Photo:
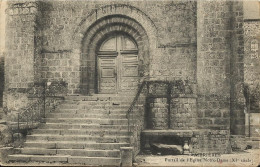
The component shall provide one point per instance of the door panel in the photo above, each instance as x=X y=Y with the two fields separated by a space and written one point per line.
x=130 y=72
x=107 y=75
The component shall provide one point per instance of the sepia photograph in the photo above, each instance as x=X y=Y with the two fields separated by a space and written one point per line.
x=124 y=83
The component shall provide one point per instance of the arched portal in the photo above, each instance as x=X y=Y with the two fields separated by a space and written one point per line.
x=115 y=56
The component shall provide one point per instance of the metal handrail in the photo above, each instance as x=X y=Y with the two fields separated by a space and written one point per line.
x=134 y=131
x=36 y=111
x=136 y=98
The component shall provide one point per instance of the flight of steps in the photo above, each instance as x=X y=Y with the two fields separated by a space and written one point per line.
x=82 y=130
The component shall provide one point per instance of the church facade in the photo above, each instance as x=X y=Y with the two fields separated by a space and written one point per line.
x=195 y=64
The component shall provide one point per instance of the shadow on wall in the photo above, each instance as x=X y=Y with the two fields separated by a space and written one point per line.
x=1 y=80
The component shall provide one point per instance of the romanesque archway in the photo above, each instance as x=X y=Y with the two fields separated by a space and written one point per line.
x=101 y=30
x=98 y=24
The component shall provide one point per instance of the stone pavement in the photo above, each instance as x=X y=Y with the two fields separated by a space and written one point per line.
x=242 y=158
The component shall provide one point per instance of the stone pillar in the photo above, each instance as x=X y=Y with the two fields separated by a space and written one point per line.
x=183 y=113
x=158 y=113
x=126 y=156
x=215 y=20
x=22 y=51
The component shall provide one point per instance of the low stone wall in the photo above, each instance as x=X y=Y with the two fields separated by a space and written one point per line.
x=210 y=141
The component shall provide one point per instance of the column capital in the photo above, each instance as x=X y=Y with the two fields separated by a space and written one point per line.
x=23 y=8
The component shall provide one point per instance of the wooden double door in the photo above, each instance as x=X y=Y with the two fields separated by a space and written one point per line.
x=118 y=65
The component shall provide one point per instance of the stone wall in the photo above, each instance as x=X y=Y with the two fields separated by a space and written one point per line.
x=252 y=59
x=176 y=38
x=48 y=48
x=210 y=141
x=61 y=66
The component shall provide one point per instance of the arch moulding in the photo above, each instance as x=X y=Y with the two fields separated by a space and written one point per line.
x=116 y=9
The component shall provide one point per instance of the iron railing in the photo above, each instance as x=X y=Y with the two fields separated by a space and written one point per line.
x=134 y=104
x=135 y=116
x=43 y=97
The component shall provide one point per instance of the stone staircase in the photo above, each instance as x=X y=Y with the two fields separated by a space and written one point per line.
x=83 y=130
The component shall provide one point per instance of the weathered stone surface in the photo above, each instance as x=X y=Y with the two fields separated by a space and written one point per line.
x=238 y=142
x=85 y=142
x=183 y=113
x=4 y=152
x=211 y=141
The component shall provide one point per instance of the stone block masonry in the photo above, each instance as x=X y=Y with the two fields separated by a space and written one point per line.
x=61 y=66
x=219 y=67
x=158 y=113
x=21 y=50
x=183 y=113
x=210 y=141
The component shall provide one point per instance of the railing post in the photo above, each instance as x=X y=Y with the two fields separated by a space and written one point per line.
x=32 y=116
x=18 y=126
x=27 y=121
x=44 y=98
x=128 y=123
x=249 y=129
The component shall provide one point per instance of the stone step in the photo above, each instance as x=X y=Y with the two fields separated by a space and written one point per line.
x=97 y=139
x=88 y=121
x=82 y=126
x=92 y=104
x=38 y=158
x=75 y=145
x=88 y=107
x=93 y=111
x=65 y=159
x=96 y=132
x=72 y=152
x=85 y=115
x=103 y=97
x=100 y=161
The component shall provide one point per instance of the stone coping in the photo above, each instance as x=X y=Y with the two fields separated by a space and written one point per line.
x=170 y=132
x=180 y=133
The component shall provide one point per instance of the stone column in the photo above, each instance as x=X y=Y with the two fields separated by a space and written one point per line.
x=220 y=64
x=22 y=51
